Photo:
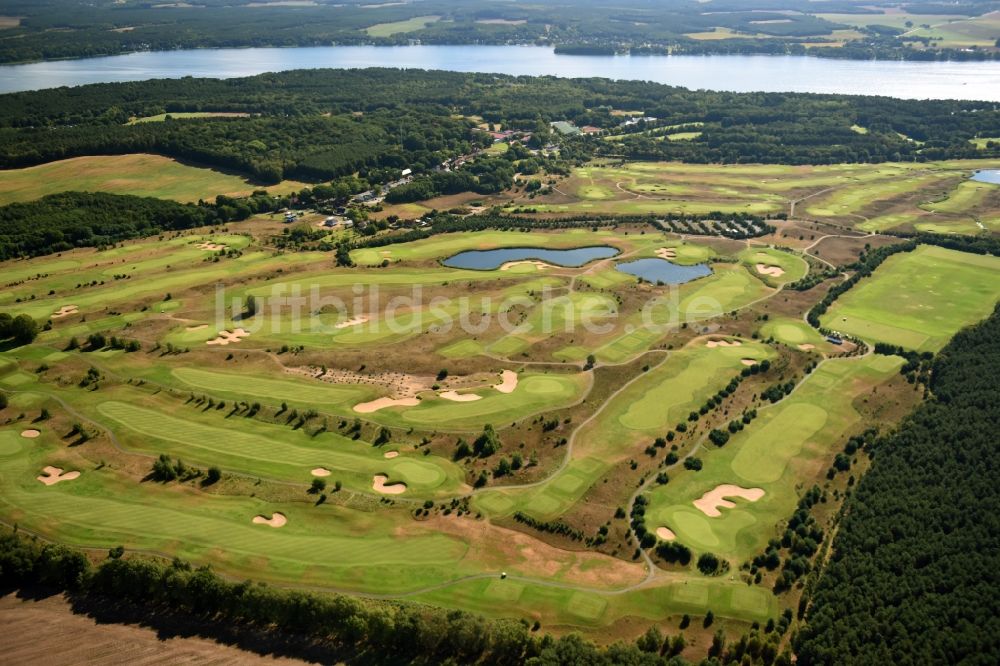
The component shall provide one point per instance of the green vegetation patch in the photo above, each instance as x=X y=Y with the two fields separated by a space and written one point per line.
x=933 y=291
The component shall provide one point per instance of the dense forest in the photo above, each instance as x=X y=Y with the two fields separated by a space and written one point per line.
x=322 y=124
x=913 y=576
x=72 y=28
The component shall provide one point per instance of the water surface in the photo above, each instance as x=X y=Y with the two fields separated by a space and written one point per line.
x=661 y=270
x=987 y=176
x=488 y=260
x=909 y=80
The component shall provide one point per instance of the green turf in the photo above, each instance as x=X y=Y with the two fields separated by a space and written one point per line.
x=786 y=441
x=933 y=291
x=139 y=174
x=643 y=410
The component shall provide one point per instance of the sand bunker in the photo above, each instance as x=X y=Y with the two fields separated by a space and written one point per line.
x=748 y=362
x=382 y=403
x=53 y=475
x=806 y=346
x=710 y=502
x=353 y=321
x=391 y=454
x=666 y=253
x=225 y=337
x=214 y=247
x=455 y=396
x=276 y=520
x=65 y=311
x=378 y=484
x=508 y=382
x=321 y=471
x=711 y=344
x=199 y=327
x=533 y=262
x=665 y=534
x=31 y=433
x=773 y=271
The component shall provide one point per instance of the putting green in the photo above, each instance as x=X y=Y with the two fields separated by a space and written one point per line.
x=793 y=332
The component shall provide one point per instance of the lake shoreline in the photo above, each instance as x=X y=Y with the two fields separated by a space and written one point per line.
x=979 y=80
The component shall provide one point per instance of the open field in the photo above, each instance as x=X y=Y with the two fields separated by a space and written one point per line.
x=933 y=291
x=372 y=388
x=397 y=27
x=137 y=174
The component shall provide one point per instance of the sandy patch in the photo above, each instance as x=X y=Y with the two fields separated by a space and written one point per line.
x=320 y=471
x=31 y=433
x=666 y=253
x=214 y=247
x=711 y=344
x=382 y=403
x=391 y=454
x=534 y=262
x=455 y=396
x=276 y=520
x=806 y=346
x=353 y=321
x=508 y=382
x=53 y=475
x=710 y=502
x=65 y=311
x=225 y=337
x=665 y=534
x=378 y=484
x=191 y=329
x=748 y=362
x=773 y=271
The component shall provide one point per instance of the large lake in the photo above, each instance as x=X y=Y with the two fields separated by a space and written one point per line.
x=910 y=80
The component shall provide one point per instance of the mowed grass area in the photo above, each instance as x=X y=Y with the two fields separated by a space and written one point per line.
x=137 y=174
x=780 y=452
x=793 y=332
x=397 y=27
x=872 y=197
x=642 y=411
x=326 y=545
x=919 y=299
